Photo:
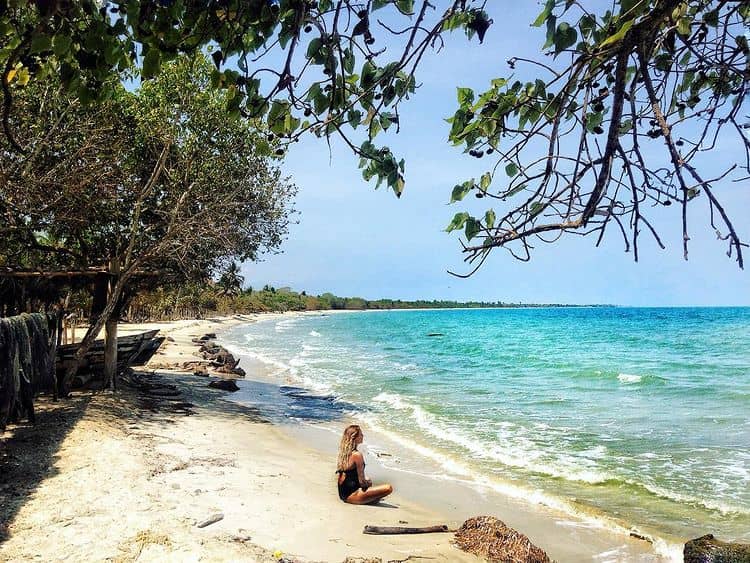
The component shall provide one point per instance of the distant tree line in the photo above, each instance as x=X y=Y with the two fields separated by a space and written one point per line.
x=215 y=298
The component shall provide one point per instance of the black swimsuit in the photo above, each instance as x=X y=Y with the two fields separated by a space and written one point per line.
x=351 y=482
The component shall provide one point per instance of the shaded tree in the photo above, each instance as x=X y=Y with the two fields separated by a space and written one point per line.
x=162 y=180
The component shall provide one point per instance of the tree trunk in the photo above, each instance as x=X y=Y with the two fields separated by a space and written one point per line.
x=93 y=331
x=110 y=332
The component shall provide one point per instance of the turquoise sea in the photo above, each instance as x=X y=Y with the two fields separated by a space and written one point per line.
x=639 y=416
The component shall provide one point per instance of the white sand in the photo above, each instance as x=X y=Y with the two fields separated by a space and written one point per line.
x=127 y=484
x=124 y=483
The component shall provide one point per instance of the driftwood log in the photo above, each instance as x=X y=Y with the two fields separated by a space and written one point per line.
x=210 y=520
x=390 y=530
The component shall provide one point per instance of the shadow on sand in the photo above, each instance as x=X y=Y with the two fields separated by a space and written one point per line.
x=28 y=452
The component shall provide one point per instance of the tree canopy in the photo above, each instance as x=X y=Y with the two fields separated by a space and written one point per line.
x=161 y=182
x=621 y=108
x=615 y=126
x=159 y=179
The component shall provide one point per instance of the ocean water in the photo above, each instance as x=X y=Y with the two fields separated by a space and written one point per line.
x=633 y=416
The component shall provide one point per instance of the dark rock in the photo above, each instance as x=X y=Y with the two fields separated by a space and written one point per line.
x=490 y=538
x=225 y=384
x=707 y=549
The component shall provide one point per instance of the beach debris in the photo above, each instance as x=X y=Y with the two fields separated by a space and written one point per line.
x=707 y=549
x=210 y=520
x=221 y=359
x=242 y=536
x=205 y=338
x=143 y=540
x=390 y=530
x=640 y=536
x=363 y=560
x=224 y=384
x=490 y=538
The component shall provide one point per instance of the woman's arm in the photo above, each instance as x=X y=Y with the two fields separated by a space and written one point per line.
x=359 y=461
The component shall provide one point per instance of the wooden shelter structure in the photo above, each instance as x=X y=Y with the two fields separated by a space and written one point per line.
x=26 y=290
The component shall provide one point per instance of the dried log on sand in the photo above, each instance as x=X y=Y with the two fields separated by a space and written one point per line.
x=390 y=530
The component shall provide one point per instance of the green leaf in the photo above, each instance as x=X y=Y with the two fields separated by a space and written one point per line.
x=619 y=34
x=625 y=127
x=565 y=36
x=536 y=208
x=542 y=17
x=279 y=117
x=386 y=119
x=712 y=17
x=465 y=96
x=313 y=48
x=399 y=186
x=511 y=169
x=405 y=6
x=151 y=64
x=61 y=45
x=460 y=190
x=40 y=43
x=368 y=75
x=348 y=60
x=472 y=228
x=489 y=218
x=485 y=181
x=354 y=118
x=551 y=27
x=459 y=219
x=683 y=26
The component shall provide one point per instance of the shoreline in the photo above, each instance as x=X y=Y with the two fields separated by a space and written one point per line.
x=566 y=534
x=272 y=483
x=128 y=477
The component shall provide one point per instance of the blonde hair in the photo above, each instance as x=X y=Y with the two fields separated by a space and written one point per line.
x=347 y=446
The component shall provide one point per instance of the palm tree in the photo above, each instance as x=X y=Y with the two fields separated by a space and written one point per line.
x=231 y=280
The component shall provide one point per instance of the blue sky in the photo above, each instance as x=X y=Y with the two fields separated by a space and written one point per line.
x=356 y=241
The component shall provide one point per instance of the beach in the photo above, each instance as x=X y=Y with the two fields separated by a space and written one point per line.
x=120 y=477
x=126 y=483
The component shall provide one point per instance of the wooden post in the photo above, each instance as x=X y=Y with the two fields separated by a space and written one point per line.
x=110 y=332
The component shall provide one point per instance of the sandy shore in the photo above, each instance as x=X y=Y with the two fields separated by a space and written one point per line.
x=127 y=477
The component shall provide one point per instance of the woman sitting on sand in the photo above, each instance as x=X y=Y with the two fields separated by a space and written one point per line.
x=354 y=488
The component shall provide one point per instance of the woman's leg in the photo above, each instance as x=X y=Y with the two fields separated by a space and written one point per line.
x=372 y=494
